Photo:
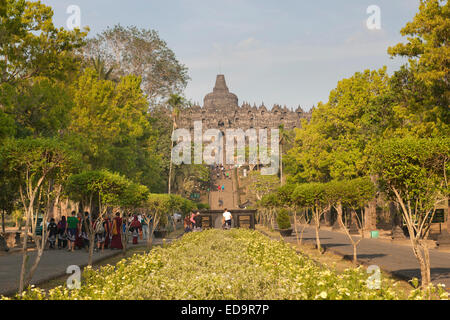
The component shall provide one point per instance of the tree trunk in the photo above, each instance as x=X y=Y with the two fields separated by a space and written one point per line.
x=170 y=164
x=24 y=254
x=3 y=222
x=295 y=225
x=318 y=239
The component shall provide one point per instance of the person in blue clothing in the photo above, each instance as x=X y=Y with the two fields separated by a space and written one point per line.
x=223 y=188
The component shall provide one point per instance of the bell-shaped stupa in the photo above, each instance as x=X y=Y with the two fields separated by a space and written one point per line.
x=221 y=99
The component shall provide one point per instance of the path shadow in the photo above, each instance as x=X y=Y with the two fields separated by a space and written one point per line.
x=332 y=245
x=306 y=239
x=436 y=273
x=370 y=256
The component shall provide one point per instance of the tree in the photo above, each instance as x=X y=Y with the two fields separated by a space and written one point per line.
x=413 y=172
x=129 y=50
x=111 y=129
x=353 y=194
x=40 y=166
x=103 y=189
x=262 y=184
x=312 y=196
x=422 y=88
x=332 y=145
x=31 y=46
x=160 y=205
x=175 y=102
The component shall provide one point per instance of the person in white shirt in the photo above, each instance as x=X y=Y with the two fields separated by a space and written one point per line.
x=227 y=218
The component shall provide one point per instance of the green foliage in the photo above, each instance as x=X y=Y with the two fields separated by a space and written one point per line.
x=262 y=184
x=310 y=195
x=261 y=269
x=331 y=146
x=32 y=46
x=32 y=160
x=413 y=170
x=110 y=128
x=422 y=89
x=143 y=54
x=283 y=220
x=111 y=189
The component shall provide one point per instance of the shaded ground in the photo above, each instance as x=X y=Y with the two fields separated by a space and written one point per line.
x=53 y=264
x=396 y=259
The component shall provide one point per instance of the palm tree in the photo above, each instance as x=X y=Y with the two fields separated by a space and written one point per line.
x=175 y=103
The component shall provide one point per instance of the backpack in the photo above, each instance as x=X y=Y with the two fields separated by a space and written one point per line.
x=99 y=228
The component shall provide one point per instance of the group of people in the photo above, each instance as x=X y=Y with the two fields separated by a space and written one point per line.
x=220 y=170
x=193 y=222
x=74 y=232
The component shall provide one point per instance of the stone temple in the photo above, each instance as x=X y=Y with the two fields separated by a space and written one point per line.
x=221 y=110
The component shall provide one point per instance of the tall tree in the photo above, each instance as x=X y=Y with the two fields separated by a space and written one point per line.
x=30 y=44
x=414 y=173
x=422 y=88
x=141 y=52
x=40 y=167
x=175 y=104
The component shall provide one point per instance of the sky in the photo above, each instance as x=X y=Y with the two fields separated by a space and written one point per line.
x=287 y=52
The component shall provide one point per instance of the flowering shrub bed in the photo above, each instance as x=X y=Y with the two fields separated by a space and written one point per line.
x=215 y=265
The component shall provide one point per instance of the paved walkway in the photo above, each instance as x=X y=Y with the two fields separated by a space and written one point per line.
x=53 y=264
x=393 y=258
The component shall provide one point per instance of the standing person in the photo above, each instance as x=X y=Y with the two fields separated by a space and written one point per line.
x=85 y=226
x=62 y=235
x=108 y=234
x=116 y=231
x=79 y=243
x=135 y=226
x=187 y=224
x=72 y=230
x=192 y=220
x=52 y=229
x=198 y=221
x=223 y=188
x=227 y=218
x=144 y=227
x=100 y=234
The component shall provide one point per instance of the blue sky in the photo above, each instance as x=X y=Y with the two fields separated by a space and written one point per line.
x=289 y=52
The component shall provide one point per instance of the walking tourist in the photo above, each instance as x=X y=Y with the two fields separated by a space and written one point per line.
x=62 y=234
x=135 y=227
x=52 y=230
x=144 y=227
x=192 y=219
x=85 y=230
x=72 y=230
x=187 y=224
x=108 y=234
x=198 y=222
x=227 y=218
x=116 y=231
x=100 y=234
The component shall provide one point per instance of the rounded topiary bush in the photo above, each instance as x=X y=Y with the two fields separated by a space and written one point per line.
x=283 y=220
